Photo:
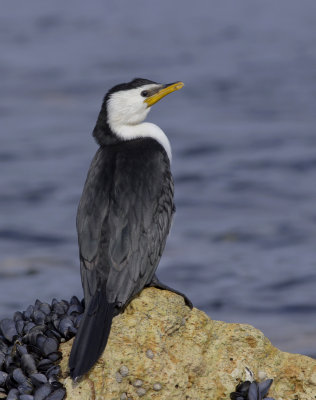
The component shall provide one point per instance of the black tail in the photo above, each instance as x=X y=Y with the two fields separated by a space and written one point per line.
x=92 y=335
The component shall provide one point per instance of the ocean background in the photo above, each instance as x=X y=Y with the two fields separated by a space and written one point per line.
x=242 y=245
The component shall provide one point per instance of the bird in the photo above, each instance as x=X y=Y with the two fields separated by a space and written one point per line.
x=124 y=214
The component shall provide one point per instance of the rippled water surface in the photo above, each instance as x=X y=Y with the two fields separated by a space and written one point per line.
x=243 y=137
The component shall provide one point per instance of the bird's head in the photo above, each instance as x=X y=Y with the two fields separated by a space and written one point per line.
x=128 y=104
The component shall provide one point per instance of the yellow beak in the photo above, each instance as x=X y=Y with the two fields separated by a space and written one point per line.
x=163 y=92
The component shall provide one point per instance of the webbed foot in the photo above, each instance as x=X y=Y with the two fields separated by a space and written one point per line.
x=157 y=284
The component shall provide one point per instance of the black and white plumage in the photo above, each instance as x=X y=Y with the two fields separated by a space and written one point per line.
x=124 y=214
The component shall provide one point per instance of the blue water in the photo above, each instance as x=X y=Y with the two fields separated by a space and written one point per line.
x=242 y=131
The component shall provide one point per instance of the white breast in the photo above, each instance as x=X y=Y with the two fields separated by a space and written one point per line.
x=143 y=130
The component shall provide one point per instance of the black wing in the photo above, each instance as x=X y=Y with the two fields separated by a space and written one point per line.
x=92 y=210
x=123 y=219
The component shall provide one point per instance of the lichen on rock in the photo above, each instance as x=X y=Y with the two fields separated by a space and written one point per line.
x=191 y=357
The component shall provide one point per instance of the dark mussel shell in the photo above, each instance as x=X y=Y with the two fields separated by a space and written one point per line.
x=56 y=384
x=75 y=300
x=75 y=309
x=8 y=329
x=37 y=304
x=60 y=308
x=252 y=390
x=55 y=356
x=38 y=317
x=58 y=394
x=66 y=327
x=28 y=326
x=29 y=349
x=25 y=387
x=52 y=333
x=53 y=371
x=26 y=397
x=243 y=387
x=49 y=346
x=9 y=364
x=13 y=394
x=19 y=325
x=45 y=308
x=3 y=378
x=17 y=316
x=19 y=376
x=28 y=312
x=21 y=349
x=253 y=393
x=44 y=365
x=2 y=358
x=3 y=346
x=38 y=379
x=264 y=386
x=43 y=391
x=28 y=364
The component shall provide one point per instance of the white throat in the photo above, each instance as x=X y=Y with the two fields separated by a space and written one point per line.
x=143 y=130
x=126 y=113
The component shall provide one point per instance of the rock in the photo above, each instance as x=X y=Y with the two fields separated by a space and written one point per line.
x=196 y=358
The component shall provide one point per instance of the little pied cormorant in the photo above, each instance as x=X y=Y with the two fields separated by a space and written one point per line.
x=124 y=214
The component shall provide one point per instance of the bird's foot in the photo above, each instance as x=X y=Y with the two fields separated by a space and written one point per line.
x=157 y=284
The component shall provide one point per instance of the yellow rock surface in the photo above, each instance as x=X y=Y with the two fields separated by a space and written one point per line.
x=160 y=349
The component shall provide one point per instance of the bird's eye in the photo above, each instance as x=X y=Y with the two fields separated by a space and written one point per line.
x=144 y=93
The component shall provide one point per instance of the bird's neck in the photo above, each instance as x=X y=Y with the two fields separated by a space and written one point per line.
x=143 y=130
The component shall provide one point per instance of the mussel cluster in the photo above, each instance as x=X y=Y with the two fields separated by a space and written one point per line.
x=252 y=390
x=29 y=353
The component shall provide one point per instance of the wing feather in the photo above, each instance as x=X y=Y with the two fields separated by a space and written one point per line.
x=124 y=218
x=93 y=206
